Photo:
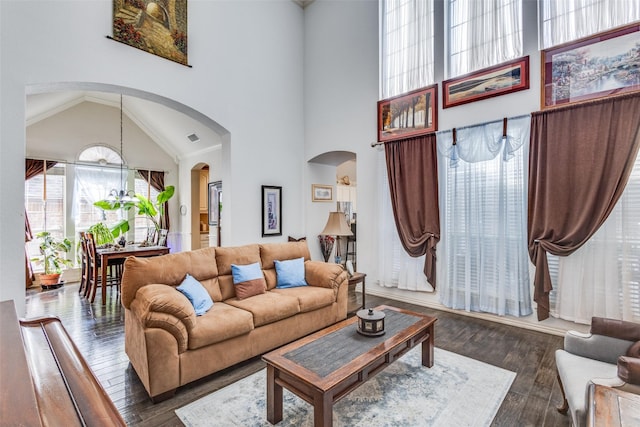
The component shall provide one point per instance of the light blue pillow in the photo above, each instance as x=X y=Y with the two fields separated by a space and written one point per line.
x=197 y=294
x=290 y=273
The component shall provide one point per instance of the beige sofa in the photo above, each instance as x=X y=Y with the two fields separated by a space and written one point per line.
x=169 y=346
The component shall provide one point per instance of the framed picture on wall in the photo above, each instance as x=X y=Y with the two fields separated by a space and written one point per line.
x=498 y=80
x=321 y=193
x=593 y=67
x=271 y=210
x=411 y=114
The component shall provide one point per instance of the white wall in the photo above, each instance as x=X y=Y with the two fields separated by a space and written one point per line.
x=247 y=76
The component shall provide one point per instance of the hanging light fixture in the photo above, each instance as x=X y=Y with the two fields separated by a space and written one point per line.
x=122 y=196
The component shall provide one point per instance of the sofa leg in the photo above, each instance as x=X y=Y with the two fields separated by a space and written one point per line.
x=565 y=405
x=163 y=396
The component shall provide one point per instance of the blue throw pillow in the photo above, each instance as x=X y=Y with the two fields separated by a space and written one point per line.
x=290 y=273
x=197 y=294
x=248 y=280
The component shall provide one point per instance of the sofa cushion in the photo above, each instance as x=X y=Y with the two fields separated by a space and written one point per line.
x=290 y=273
x=239 y=255
x=309 y=297
x=197 y=295
x=268 y=307
x=248 y=280
x=220 y=323
x=269 y=252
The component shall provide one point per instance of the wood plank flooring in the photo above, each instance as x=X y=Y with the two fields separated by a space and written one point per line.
x=98 y=331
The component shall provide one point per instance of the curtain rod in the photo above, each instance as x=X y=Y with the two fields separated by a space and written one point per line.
x=94 y=165
x=374 y=144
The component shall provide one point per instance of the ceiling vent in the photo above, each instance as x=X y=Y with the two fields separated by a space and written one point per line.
x=193 y=138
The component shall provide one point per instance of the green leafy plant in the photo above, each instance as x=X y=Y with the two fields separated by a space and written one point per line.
x=104 y=235
x=145 y=206
x=51 y=253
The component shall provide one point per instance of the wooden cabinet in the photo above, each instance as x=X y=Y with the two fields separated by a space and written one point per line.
x=204 y=190
x=204 y=240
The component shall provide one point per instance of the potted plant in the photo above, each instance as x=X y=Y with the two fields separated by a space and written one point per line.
x=53 y=254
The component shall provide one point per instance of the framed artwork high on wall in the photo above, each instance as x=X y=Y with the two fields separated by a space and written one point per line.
x=411 y=114
x=271 y=211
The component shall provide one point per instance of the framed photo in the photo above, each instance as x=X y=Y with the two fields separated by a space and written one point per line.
x=592 y=67
x=498 y=80
x=215 y=192
x=271 y=211
x=411 y=114
x=321 y=193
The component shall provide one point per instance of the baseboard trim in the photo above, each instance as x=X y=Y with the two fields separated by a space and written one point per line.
x=552 y=330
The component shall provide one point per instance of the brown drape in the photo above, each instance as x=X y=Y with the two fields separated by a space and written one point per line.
x=580 y=159
x=413 y=183
x=33 y=167
x=156 y=179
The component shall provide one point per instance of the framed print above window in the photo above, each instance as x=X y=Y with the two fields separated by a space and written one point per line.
x=593 y=67
x=271 y=211
x=410 y=114
x=321 y=193
x=498 y=80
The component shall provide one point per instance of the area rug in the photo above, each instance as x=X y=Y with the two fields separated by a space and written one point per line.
x=456 y=391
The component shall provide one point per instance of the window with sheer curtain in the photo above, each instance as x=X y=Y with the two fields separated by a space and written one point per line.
x=406 y=64
x=564 y=21
x=483 y=264
x=602 y=278
x=142 y=222
x=482 y=34
x=406 y=43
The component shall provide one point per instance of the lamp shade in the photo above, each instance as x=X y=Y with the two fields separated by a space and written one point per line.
x=336 y=225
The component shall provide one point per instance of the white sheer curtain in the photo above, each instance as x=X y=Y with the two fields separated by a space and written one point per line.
x=567 y=20
x=396 y=269
x=406 y=40
x=483 y=264
x=602 y=278
x=93 y=184
x=483 y=33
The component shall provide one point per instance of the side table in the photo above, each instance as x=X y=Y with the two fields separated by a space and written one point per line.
x=353 y=281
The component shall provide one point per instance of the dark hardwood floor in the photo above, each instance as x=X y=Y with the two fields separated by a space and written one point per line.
x=98 y=331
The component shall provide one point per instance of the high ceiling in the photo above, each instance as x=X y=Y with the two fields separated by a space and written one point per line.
x=169 y=128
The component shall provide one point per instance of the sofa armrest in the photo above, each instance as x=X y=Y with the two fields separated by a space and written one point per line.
x=162 y=306
x=593 y=346
x=629 y=369
x=324 y=275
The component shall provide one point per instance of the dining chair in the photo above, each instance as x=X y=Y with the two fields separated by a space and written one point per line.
x=151 y=235
x=162 y=237
x=84 y=262
x=114 y=271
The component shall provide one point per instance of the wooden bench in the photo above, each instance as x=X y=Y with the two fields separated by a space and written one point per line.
x=44 y=379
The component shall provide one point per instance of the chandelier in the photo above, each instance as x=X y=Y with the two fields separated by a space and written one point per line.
x=122 y=196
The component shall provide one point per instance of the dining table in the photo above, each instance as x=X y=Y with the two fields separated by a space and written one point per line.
x=116 y=252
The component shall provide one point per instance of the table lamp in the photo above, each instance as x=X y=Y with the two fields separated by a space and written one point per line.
x=337 y=226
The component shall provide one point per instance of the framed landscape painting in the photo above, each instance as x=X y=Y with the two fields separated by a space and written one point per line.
x=411 y=114
x=498 y=80
x=593 y=67
x=271 y=211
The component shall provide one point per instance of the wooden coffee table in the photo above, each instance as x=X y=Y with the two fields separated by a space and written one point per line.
x=323 y=367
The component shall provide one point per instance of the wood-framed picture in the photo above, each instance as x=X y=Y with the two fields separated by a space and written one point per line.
x=410 y=114
x=498 y=80
x=321 y=193
x=271 y=211
x=593 y=67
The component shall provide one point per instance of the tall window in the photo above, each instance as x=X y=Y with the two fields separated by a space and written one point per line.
x=406 y=40
x=483 y=33
x=602 y=278
x=564 y=21
x=46 y=211
x=142 y=223
x=483 y=260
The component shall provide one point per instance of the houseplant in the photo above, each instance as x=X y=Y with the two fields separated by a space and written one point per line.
x=52 y=254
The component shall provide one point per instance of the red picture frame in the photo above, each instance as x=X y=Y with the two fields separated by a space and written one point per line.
x=593 y=67
x=407 y=115
x=501 y=79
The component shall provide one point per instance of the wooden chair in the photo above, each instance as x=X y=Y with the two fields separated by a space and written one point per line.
x=162 y=237
x=84 y=257
x=114 y=272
